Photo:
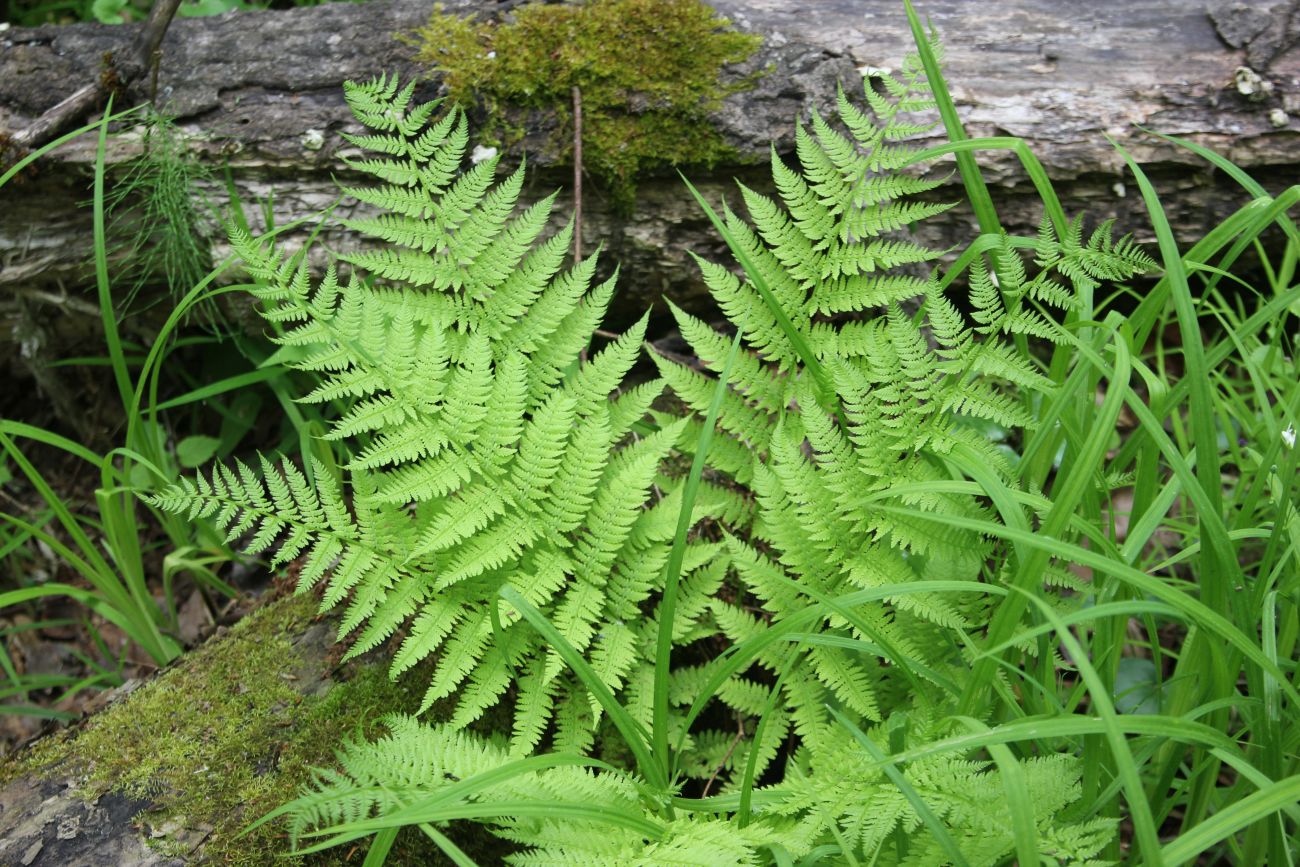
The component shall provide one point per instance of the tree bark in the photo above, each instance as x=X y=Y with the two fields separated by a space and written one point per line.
x=260 y=93
x=120 y=71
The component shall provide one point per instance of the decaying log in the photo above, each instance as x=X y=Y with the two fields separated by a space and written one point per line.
x=260 y=93
x=123 y=68
x=173 y=769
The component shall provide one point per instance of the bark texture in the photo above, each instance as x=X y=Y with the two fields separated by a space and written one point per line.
x=260 y=93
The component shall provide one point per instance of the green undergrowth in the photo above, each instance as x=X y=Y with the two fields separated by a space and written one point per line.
x=648 y=71
x=235 y=715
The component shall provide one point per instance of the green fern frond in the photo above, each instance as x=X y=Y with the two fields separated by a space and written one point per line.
x=416 y=764
x=485 y=447
x=912 y=370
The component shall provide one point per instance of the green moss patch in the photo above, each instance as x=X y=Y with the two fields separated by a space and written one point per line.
x=231 y=733
x=648 y=72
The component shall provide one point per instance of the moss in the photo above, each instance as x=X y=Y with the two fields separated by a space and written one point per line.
x=234 y=716
x=648 y=72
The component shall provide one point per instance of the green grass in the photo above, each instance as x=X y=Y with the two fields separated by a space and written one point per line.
x=109 y=550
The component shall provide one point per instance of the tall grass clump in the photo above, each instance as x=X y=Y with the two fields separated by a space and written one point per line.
x=107 y=548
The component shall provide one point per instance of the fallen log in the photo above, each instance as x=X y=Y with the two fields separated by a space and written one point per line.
x=260 y=93
x=173 y=769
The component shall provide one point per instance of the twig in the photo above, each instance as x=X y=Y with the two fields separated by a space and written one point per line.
x=155 y=63
x=577 y=174
x=740 y=735
x=17 y=503
x=121 y=70
x=577 y=190
x=64 y=300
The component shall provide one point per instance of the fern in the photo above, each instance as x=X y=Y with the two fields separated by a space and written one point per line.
x=601 y=818
x=485 y=451
x=825 y=249
x=905 y=379
x=484 y=448
x=840 y=784
x=568 y=814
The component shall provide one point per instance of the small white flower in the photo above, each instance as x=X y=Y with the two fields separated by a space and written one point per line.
x=481 y=153
x=1288 y=436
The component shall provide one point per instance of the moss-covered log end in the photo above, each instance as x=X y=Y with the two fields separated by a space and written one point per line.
x=649 y=73
x=185 y=762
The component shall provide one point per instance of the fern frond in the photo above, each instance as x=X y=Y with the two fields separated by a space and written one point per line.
x=485 y=447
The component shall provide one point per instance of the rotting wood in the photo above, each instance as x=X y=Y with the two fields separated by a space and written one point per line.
x=121 y=69
x=260 y=93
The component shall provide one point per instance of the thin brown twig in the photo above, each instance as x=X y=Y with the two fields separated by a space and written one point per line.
x=17 y=503
x=155 y=63
x=577 y=174
x=740 y=735
x=123 y=68
x=577 y=189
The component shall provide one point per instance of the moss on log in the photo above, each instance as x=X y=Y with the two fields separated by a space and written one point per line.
x=176 y=768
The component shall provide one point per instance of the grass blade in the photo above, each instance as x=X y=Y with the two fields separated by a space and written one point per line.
x=797 y=339
x=1230 y=819
x=634 y=735
x=927 y=816
x=673 y=569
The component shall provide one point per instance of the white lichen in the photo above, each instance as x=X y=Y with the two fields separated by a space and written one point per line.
x=1251 y=85
x=313 y=139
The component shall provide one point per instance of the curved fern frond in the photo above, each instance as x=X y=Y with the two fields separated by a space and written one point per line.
x=913 y=367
